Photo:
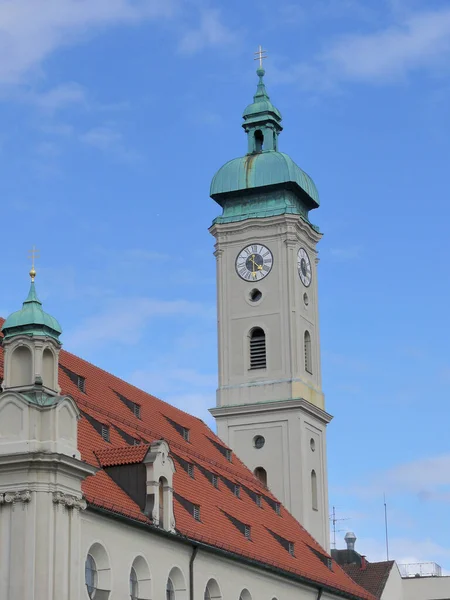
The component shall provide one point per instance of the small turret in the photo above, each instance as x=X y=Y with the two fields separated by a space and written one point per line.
x=31 y=348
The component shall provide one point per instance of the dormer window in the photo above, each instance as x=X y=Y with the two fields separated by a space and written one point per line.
x=183 y=431
x=77 y=379
x=135 y=408
x=81 y=384
x=105 y=433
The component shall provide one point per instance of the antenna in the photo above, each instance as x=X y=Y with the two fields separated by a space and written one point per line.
x=335 y=520
x=386 y=527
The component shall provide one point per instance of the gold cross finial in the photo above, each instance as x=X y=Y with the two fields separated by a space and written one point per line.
x=33 y=254
x=260 y=55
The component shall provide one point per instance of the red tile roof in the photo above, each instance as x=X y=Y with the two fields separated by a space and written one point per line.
x=372 y=577
x=101 y=401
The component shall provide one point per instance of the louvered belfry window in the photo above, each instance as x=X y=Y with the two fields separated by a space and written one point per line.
x=258 y=357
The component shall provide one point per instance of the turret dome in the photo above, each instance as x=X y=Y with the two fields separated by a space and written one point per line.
x=31 y=319
x=264 y=182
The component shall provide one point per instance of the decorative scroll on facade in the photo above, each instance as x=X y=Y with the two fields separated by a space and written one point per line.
x=11 y=497
x=69 y=501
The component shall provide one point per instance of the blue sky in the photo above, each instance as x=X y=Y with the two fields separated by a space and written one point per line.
x=115 y=114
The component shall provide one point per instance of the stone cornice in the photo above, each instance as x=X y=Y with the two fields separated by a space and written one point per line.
x=294 y=222
x=280 y=405
x=15 y=496
x=43 y=461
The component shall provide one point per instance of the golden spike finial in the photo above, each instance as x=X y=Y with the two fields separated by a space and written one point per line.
x=34 y=253
x=260 y=55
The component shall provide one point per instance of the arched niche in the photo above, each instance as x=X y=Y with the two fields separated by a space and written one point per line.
x=143 y=578
x=48 y=368
x=177 y=584
x=212 y=591
x=21 y=370
x=98 y=558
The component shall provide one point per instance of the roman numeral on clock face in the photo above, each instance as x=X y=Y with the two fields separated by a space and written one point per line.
x=254 y=262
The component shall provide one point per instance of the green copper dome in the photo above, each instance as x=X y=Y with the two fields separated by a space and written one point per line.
x=31 y=319
x=264 y=182
x=261 y=170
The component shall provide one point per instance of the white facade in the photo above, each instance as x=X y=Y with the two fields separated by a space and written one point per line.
x=163 y=557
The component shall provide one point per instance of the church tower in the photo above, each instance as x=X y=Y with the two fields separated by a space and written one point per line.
x=270 y=406
x=40 y=466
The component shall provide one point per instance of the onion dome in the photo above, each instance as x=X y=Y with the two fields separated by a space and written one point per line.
x=265 y=181
x=31 y=319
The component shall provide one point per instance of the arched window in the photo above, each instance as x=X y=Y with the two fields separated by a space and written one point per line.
x=170 y=591
x=261 y=474
x=245 y=595
x=314 y=500
x=212 y=591
x=97 y=572
x=176 y=585
x=48 y=368
x=308 y=358
x=134 y=585
x=21 y=367
x=140 y=580
x=90 y=575
x=259 y=140
x=258 y=358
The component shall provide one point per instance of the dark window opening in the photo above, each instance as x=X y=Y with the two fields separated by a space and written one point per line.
x=258 y=358
x=259 y=140
x=190 y=507
x=222 y=449
x=99 y=427
x=287 y=545
x=327 y=560
x=185 y=464
x=183 y=431
x=308 y=357
x=129 y=439
x=255 y=295
x=242 y=527
x=78 y=380
x=105 y=433
x=261 y=474
x=314 y=495
x=135 y=408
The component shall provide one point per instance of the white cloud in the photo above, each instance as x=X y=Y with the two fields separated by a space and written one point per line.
x=30 y=33
x=124 y=321
x=108 y=139
x=211 y=32
x=61 y=96
x=103 y=138
x=421 y=40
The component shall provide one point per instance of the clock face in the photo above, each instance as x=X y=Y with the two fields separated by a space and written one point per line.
x=254 y=262
x=304 y=267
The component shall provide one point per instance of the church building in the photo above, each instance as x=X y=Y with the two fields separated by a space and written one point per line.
x=107 y=492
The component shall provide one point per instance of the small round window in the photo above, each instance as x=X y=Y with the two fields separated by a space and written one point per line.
x=312 y=444
x=258 y=442
x=305 y=299
x=255 y=295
